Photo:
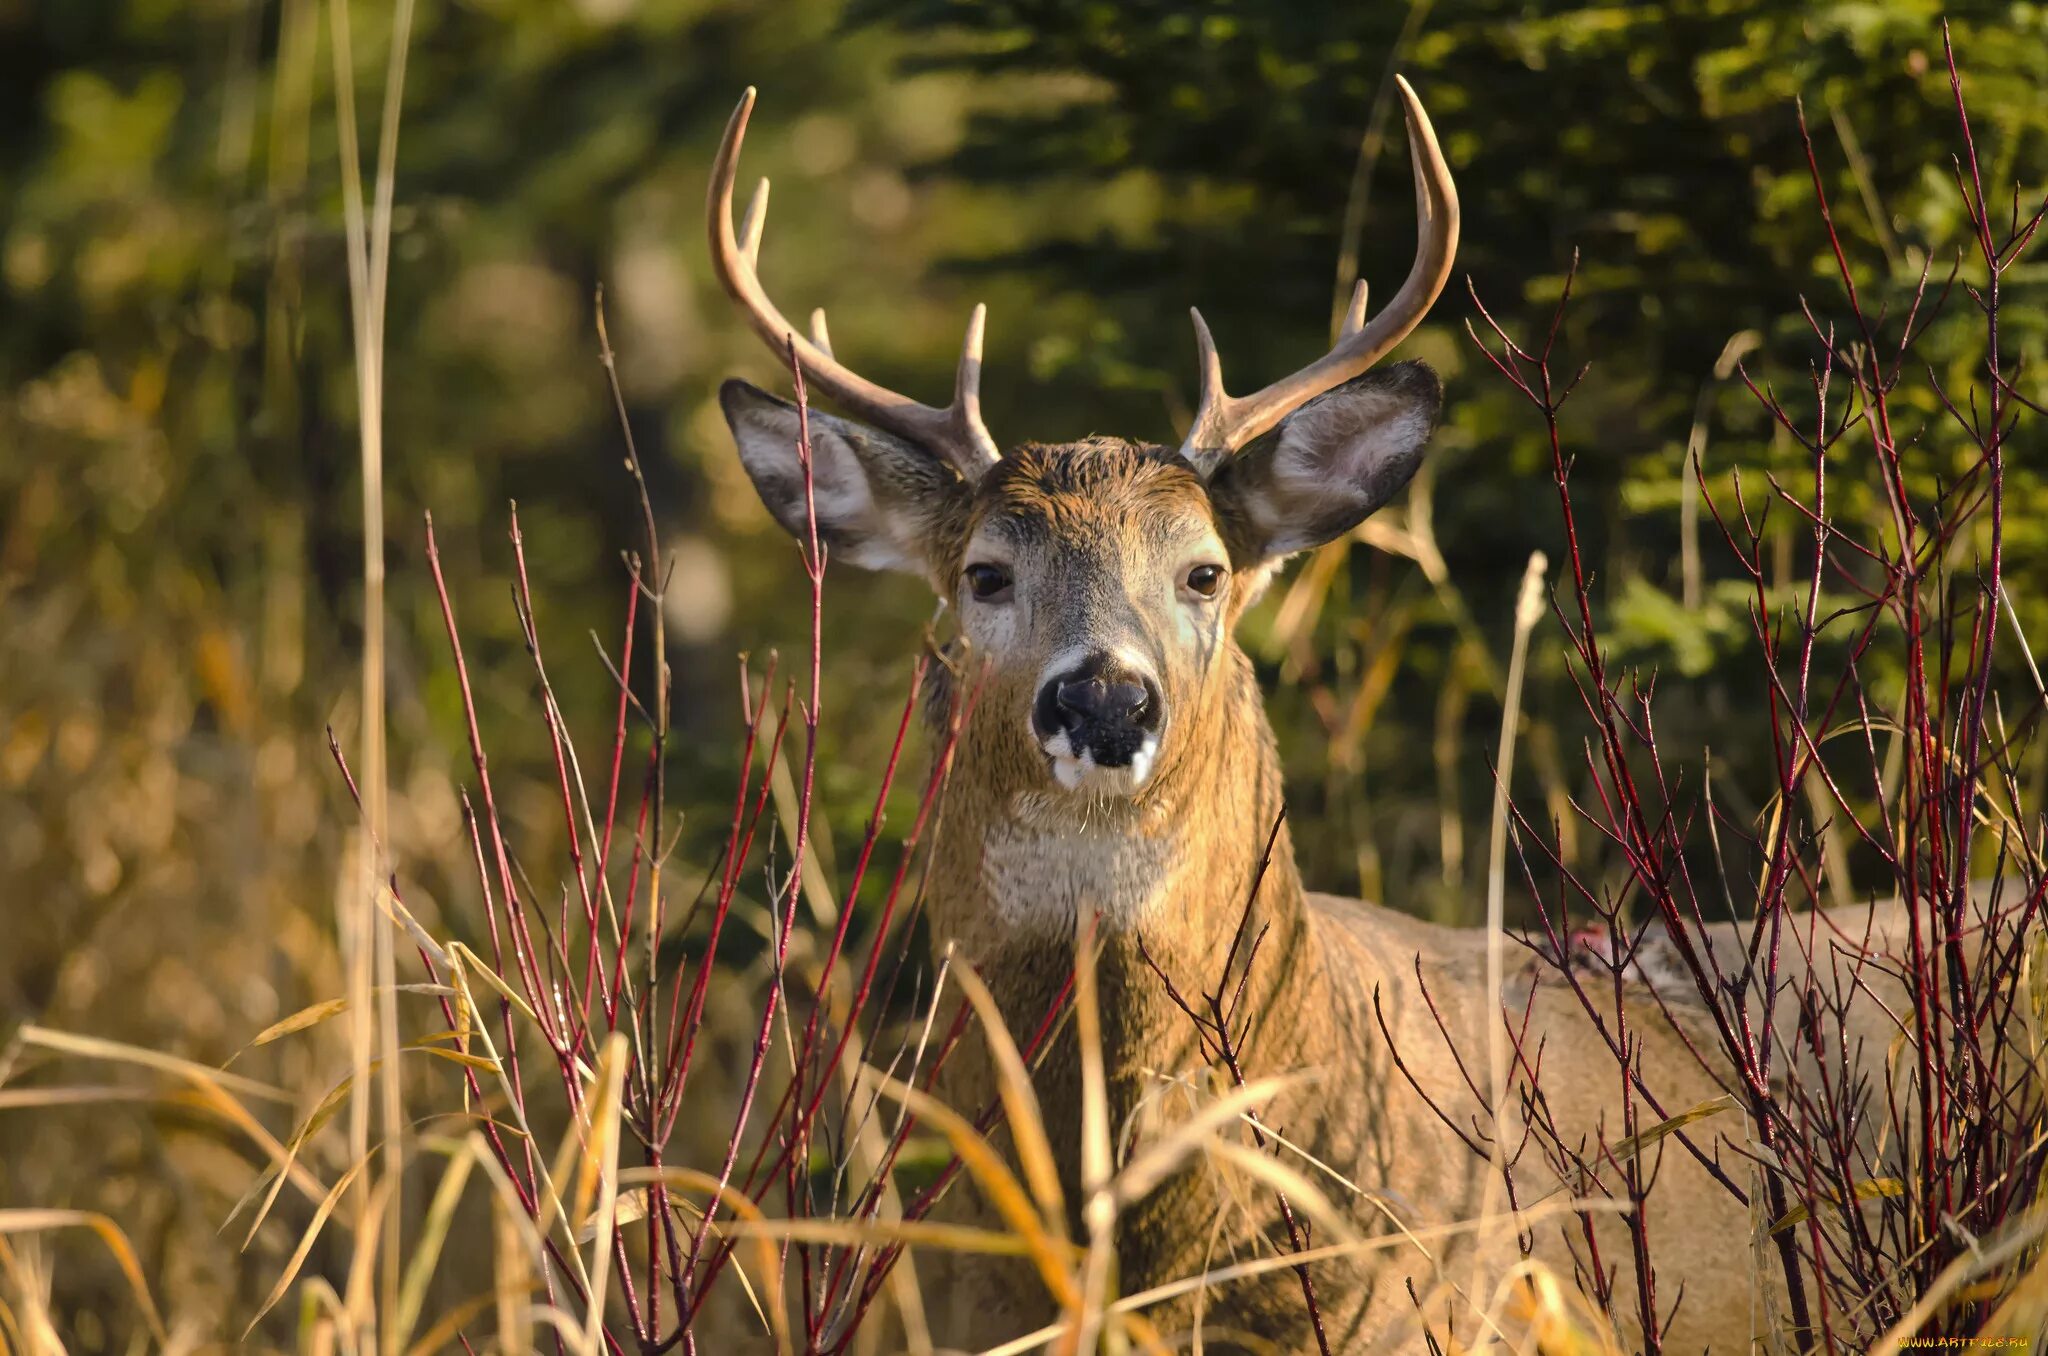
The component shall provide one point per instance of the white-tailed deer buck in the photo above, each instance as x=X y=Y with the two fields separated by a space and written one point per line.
x=1118 y=760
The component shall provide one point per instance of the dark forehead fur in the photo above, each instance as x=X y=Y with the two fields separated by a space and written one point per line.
x=1086 y=485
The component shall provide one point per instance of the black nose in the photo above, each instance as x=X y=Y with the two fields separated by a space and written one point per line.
x=1103 y=698
x=1103 y=706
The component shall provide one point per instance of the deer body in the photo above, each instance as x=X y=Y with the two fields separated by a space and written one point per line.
x=1117 y=763
x=1172 y=870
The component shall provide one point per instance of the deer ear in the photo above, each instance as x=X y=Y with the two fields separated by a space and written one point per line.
x=878 y=499
x=1329 y=465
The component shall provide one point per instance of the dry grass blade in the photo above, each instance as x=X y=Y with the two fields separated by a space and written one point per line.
x=306 y=1241
x=30 y=1331
x=372 y=963
x=563 y=1324
x=1625 y=1149
x=817 y=882
x=363 y=1273
x=598 y=1174
x=41 y=1221
x=474 y=964
x=28 y=1099
x=321 y=1316
x=214 y=1088
x=322 y=1112
x=1551 y=1316
x=1099 y=1210
x=1143 y=1174
x=93 y=1047
x=1869 y=1189
x=2025 y=1307
x=1003 y=1190
x=1020 y=1101
x=908 y=1233
x=689 y=1179
x=311 y=1015
x=336 y=1098
x=1260 y=1266
x=232 y=1111
x=518 y=1250
x=1302 y=1194
x=426 y=1250
x=632 y=1204
x=1633 y=1145
x=630 y=1209
x=448 y=1328
x=2021 y=1237
x=1528 y=610
x=25 y=1326
x=548 y=1198
x=869 y=1147
x=512 y=1278
x=315 y=1013
x=393 y=908
x=425 y=1046
x=568 y=1153
x=600 y=1143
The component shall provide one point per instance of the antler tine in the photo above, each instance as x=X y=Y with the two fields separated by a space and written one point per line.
x=1354 y=314
x=1225 y=423
x=967 y=385
x=821 y=336
x=954 y=433
x=753 y=222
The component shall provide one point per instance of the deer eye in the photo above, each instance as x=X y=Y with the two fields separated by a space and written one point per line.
x=988 y=583
x=1206 y=579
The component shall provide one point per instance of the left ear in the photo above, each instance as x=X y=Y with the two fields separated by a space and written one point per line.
x=879 y=500
x=1329 y=465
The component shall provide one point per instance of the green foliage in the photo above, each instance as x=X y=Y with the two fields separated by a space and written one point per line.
x=1661 y=142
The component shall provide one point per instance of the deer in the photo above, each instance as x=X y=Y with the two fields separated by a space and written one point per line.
x=1117 y=765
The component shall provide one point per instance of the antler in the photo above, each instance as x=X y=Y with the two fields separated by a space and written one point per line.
x=1225 y=423
x=955 y=432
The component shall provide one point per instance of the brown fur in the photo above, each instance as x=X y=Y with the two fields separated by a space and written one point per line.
x=1097 y=533
x=1210 y=809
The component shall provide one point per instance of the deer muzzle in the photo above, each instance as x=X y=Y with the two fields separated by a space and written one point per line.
x=1098 y=721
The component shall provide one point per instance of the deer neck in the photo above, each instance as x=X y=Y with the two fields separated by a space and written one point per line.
x=1191 y=880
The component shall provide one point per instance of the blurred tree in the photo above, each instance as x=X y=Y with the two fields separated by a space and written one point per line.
x=1661 y=141
x=179 y=558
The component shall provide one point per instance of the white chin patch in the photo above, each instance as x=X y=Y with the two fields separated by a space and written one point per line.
x=1080 y=771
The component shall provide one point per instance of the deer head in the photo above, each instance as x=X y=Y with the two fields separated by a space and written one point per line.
x=1098 y=580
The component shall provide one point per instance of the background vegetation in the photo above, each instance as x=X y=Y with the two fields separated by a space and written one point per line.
x=180 y=593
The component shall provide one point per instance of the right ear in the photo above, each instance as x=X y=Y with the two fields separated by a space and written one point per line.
x=1329 y=465
x=879 y=500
